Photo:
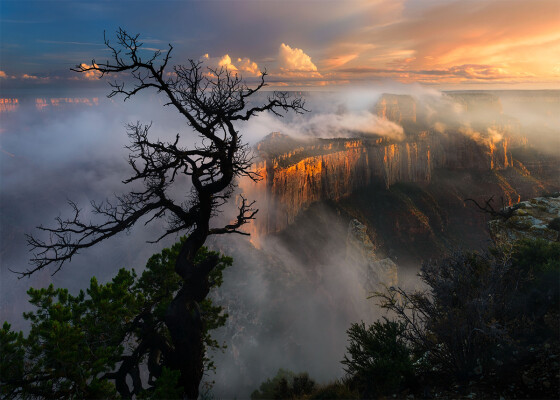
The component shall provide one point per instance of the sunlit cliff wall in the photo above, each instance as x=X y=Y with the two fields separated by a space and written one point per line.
x=293 y=180
x=462 y=131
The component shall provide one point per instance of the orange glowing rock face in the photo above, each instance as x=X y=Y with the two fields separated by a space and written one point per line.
x=511 y=195
x=507 y=163
x=291 y=183
x=333 y=169
x=353 y=144
x=491 y=148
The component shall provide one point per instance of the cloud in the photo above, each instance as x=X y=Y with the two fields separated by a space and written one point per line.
x=33 y=78
x=337 y=114
x=243 y=65
x=339 y=61
x=294 y=62
x=225 y=62
x=351 y=124
x=70 y=42
x=497 y=34
x=4 y=75
x=453 y=42
x=475 y=71
x=74 y=151
x=491 y=136
x=519 y=37
x=90 y=75
x=456 y=73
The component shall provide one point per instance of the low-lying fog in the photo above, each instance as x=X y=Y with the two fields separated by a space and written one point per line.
x=298 y=311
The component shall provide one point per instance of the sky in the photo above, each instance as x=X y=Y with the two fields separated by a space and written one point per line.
x=311 y=44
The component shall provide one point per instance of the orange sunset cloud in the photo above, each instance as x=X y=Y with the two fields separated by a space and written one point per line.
x=453 y=42
x=243 y=65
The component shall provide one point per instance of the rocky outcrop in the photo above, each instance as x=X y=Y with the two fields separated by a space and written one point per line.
x=538 y=218
x=375 y=272
x=462 y=131
x=306 y=171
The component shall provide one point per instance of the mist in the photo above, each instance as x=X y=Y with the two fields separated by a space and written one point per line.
x=290 y=301
x=286 y=309
x=301 y=306
x=340 y=124
x=528 y=116
x=70 y=152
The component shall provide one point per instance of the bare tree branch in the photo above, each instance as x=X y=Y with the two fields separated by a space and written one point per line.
x=212 y=101
x=246 y=213
x=505 y=212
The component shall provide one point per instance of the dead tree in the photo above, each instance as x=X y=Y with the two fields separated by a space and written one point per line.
x=212 y=101
x=505 y=212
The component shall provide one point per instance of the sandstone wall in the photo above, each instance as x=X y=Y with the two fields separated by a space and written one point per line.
x=292 y=181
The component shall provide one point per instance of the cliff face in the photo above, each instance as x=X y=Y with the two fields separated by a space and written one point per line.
x=461 y=132
x=332 y=169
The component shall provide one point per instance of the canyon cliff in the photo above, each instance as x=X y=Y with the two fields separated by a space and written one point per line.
x=340 y=217
x=397 y=108
x=330 y=169
x=427 y=174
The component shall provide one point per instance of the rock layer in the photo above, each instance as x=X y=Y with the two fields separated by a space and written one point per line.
x=329 y=169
